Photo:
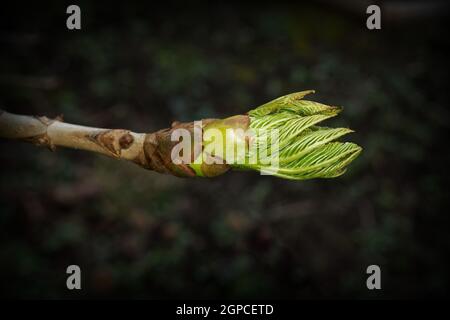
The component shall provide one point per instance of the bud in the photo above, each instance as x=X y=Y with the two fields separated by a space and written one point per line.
x=280 y=138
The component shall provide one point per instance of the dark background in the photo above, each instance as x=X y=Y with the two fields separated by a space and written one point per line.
x=139 y=234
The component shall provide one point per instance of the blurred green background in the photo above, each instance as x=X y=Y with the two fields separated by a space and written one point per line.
x=139 y=234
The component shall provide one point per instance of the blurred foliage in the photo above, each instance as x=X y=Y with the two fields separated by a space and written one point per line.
x=140 y=234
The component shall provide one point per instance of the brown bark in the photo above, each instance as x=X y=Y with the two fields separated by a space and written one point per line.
x=149 y=150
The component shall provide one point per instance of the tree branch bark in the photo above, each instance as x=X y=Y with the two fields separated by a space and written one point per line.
x=149 y=150
x=42 y=131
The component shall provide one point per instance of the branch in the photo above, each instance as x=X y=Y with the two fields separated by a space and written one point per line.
x=300 y=148
x=42 y=131
x=149 y=150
